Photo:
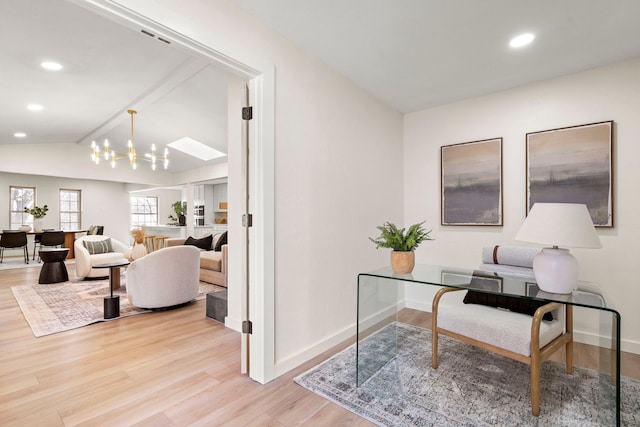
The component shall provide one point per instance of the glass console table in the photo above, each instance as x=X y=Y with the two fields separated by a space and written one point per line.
x=381 y=297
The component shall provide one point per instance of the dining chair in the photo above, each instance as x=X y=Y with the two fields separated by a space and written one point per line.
x=51 y=238
x=11 y=239
x=95 y=230
x=36 y=241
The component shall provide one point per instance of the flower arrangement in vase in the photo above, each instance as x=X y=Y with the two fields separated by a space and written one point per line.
x=180 y=209
x=37 y=213
x=139 y=249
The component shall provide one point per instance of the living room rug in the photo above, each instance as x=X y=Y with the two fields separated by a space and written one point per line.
x=50 y=309
x=471 y=387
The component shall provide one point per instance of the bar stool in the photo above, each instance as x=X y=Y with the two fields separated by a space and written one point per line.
x=160 y=242
x=148 y=242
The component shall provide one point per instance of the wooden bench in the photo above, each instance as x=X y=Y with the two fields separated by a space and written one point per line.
x=521 y=337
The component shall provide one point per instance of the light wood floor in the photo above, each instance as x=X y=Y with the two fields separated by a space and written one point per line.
x=171 y=368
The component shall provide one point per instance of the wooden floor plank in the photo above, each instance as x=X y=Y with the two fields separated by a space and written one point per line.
x=168 y=368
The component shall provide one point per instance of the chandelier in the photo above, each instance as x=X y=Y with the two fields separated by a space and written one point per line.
x=112 y=156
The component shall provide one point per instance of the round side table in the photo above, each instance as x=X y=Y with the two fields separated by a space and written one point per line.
x=53 y=268
x=112 y=302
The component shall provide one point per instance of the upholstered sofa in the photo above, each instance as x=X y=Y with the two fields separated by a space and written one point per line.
x=164 y=278
x=213 y=264
x=93 y=250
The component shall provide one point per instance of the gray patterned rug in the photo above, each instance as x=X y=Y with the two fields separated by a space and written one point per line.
x=50 y=309
x=471 y=387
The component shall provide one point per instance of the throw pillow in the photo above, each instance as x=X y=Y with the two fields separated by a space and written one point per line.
x=203 y=243
x=98 y=247
x=216 y=237
x=221 y=241
x=517 y=305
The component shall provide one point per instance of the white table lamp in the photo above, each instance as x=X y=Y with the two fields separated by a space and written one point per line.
x=558 y=224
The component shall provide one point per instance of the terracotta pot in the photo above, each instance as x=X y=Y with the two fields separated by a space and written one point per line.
x=403 y=262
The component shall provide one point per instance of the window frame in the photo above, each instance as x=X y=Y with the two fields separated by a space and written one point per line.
x=78 y=223
x=26 y=219
x=133 y=215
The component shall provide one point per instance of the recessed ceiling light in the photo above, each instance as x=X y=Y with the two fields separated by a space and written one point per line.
x=522 y=40
x=34 y=107
x=196 y=149
x=51 y=66
x=20 y=135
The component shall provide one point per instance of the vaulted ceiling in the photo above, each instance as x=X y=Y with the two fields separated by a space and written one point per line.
x=108 y=69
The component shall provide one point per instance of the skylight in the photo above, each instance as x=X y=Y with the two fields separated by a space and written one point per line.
x=196 y=149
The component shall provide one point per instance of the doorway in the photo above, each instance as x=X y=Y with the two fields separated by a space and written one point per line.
x=261 y=184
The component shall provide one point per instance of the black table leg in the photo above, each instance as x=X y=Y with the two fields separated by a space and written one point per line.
x=112 y=303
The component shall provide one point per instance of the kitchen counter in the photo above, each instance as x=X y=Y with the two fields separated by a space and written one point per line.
x=167 y=230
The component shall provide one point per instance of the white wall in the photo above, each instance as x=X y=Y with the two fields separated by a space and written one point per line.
x=608 y=93
x=103 y=202
x=338 y=174
x=71 y=160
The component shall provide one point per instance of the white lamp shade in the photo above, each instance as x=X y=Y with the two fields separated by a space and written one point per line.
x=559 y=224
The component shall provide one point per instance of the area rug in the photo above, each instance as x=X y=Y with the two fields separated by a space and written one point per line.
x=50 y=309
x=471 y=387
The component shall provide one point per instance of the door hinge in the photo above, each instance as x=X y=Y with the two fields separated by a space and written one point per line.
x=247 y=220
x=247 y=327
x=247 y=113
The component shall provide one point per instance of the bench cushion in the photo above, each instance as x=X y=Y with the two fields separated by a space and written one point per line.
x=501 y=328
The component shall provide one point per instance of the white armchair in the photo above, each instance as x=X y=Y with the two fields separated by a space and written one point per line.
x=164 y=278
x=86 y=260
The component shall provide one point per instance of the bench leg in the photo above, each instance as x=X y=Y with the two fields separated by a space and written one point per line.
x=535 y=386
x=434 y=348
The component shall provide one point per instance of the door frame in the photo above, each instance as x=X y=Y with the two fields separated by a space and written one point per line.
x=261 y=77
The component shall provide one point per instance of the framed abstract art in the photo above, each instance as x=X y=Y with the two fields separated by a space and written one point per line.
x=471 y=183
x=573 y=165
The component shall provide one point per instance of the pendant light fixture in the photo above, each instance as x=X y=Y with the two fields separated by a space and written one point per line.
x=112 y=156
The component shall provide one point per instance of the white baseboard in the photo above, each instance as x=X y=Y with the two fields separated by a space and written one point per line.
x=235 y=324
x=600 y=341
x=291 y=362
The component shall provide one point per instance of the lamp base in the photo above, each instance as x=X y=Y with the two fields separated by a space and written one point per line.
x=556 y=270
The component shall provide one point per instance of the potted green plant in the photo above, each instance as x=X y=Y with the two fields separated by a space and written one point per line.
x=180 y=209
x=403 y=244
x=37 y=213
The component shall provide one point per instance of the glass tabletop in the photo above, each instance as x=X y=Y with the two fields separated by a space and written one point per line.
x=383 y=295
x=585 y=295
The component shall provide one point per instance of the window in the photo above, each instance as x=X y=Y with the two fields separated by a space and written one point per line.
x=70 y=209
x=21 y=197
x=144 y=211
